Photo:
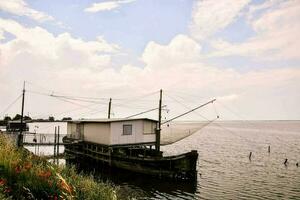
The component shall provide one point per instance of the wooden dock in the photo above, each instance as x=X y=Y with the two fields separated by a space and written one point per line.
x=42 y=144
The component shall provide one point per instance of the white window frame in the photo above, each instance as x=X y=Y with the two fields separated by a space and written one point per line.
x=127 y=125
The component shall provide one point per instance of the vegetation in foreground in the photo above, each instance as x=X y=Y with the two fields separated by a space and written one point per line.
x=25 y=176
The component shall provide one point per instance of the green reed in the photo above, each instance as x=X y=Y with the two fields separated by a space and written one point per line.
x=26 y=176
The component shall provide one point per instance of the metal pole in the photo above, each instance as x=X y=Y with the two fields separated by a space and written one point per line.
x=157 y=146
x=109 y=108
x=20 y=138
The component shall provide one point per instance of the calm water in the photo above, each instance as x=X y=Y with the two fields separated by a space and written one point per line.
x=224 y=169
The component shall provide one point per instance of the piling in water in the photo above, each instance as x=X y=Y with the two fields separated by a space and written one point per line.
x=285 y=162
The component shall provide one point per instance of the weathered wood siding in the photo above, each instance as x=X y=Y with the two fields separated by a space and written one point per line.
x=149 y=127
x=72 y=133
x=97 y=133
x=137 y=136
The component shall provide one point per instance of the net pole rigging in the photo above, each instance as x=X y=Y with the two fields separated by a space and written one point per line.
x=109 y=108
x=20 y=136
x=212 y=101
x=10 y=105
x=144 y=112
x=158 y=130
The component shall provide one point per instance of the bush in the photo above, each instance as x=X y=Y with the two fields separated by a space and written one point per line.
x=26 y=176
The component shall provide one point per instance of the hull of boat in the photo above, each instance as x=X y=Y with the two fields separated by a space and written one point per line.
x=137 y=160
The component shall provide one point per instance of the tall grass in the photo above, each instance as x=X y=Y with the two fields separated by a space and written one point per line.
x=26 y=176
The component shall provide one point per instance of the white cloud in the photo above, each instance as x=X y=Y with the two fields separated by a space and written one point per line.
x=21 y=8
x=181 y=49
x=178 y=67
x=61 y=62
x=230 y=97
x=210 y=16
x=1 y=34
x=68 y=64
x=256 y=8
x=276 y=37
x=37 y=44
x=106 y=6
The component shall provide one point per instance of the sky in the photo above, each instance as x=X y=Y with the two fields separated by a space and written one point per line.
x=74 y=55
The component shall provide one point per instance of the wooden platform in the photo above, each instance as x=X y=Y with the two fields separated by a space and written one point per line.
x=42 y=144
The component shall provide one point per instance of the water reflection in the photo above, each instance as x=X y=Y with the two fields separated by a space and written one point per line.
x=145 y=187
x=226 y=172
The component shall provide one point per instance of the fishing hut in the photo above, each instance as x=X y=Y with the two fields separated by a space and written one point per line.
x=126 y=144
x=114 y=132
x=130 y=144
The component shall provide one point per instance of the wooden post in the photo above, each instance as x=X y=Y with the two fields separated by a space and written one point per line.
x=109 y=108
x=54 y=153
x=20 y=136
x=157 y=145
x=109 y=156
x=57 y=148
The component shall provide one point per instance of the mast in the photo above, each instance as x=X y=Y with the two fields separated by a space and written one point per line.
x=109 y=108
x=158 y=130
x=20 y=137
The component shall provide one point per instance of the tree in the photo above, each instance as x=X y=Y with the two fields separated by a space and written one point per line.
x=51 y=119
x=66 y=118
x=7 y=118
x=26 y=118
x=17 y=117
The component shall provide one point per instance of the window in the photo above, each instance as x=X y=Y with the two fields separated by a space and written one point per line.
x=149 y=127
x=127 y=129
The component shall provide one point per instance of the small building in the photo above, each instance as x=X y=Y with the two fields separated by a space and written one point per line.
x=114 y=132
x=47 y=127
x=16 y=126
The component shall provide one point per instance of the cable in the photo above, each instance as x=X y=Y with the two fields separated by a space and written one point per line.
x=84 y=97
x=141 y=96
x=143 y=112
x=187 y=107
x=190 y=111
x=11 y=104
x=186 y=94
x=93 y=113
x=61 y=98
x=66 y=97
x=76 y=99
x=68 y=111
x=134 y=99
x=236 y=114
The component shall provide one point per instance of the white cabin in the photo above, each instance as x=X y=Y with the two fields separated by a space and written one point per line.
x=114 y=131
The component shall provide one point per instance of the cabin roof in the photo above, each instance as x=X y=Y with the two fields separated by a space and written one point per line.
x=17 y=121
x=109 y=120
